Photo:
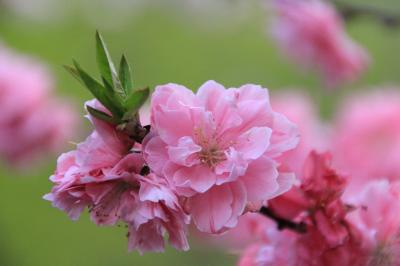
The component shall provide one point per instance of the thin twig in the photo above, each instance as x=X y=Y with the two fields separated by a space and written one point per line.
x=284 y=223
x=350 y=11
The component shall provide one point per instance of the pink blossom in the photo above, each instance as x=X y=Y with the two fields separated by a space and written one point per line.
x=323 y=188
x=318 y=200
x=313 y=249
x=144 y=113
x=299 y=109
x=249 y=229
x=312 y=33
x=370 y=125
x=363 y=233
x=218 y=148
x=263 y=255
x=372 y=235
x=379 y=221
x=114 y=183
x=274 y=248
x=32 y=122
x=288 y=248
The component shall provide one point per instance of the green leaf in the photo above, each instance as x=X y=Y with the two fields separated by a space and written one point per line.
x=99 y=91
x=101 y=115
x=106 y=66
x=73 y=72
x=125 y=75
x=135 y=100
x=110 y=93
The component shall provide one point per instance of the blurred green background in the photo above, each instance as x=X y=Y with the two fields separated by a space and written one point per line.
x=165 y=41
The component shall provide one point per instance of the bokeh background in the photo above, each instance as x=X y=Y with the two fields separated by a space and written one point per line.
x=181 y=41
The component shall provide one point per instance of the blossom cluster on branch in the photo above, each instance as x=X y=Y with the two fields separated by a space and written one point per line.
x=340 y=211
x=208 y=157
x=266 y=174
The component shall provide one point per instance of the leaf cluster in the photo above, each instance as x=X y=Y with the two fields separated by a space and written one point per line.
x=115 y=91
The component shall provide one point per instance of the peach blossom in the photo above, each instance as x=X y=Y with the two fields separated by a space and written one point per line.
x=312 y=34
x=219 y=148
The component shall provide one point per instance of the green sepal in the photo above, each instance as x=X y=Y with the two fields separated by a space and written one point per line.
x=125 y=75
x=98 y=91
x=101 y=115
x=134 y=101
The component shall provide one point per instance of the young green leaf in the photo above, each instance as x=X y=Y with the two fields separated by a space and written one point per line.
x=114 y=97
x=125 y=75
x=134 y=102
x=106 y=66
x=98 y=91
x=101 y=115
x=73 y=72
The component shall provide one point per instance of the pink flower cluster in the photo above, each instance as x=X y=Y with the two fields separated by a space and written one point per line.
x=364 y=232
x=281 y=186
x=349 y=209
x=311 y=33
x=209 y=157
x=32 y=122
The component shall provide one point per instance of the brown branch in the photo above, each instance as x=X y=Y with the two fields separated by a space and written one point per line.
x=350 y=11
x=284 y=223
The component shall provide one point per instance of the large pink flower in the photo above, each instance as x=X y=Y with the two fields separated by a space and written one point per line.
x=312 y=33
x=32 y=122
x=218 y=148
x=367 y=136
x=116 y=185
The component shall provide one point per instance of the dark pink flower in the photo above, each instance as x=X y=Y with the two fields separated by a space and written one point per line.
x=317 y=200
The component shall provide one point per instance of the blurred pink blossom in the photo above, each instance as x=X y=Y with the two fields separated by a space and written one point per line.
x=299 y=109
x=366 y=136
x=104 y=176
x=288 y=248
x=249 y=229
x=379 y=221
x=32 y=121
x=219 y=148
x=312 y=34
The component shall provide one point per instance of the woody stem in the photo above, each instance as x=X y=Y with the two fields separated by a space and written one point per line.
x=283 y=223
x=350 y=11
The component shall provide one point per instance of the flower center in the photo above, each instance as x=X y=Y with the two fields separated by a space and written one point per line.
x=211 y=156
x=381 y=256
